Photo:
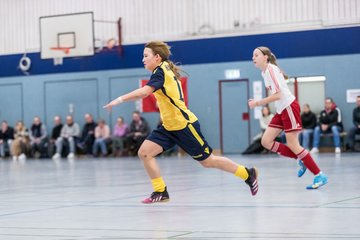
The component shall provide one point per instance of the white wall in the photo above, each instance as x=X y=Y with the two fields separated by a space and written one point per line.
x=145 y=20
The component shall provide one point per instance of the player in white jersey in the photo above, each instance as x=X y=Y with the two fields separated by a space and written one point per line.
x=287 y=117
x=273 y=72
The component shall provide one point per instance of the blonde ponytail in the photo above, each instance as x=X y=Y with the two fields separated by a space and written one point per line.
x=174 y=68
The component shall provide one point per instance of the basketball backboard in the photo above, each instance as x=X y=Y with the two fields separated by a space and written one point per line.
x=70 y=35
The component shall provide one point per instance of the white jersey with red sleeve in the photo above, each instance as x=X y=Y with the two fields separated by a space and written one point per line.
x=275 y=82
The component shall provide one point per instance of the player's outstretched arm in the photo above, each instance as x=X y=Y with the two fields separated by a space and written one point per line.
x=131 y=96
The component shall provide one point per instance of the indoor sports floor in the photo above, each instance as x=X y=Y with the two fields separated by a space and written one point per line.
x=100 y=199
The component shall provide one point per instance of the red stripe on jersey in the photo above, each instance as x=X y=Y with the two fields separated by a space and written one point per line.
x=272 y=75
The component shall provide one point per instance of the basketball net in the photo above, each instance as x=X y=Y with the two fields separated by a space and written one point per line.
x=59 y=60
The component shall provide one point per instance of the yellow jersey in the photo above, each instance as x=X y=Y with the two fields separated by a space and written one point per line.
x=170 y=98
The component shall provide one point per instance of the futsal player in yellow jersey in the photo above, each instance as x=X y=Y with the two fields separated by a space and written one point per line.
x=180 y=126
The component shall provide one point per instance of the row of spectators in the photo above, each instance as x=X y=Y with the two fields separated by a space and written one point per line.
x=329 y=122
x=66 y=139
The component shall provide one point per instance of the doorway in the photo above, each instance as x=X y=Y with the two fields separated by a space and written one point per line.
x=234 y=115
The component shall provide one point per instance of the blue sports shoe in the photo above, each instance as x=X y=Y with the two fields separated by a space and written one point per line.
x=302 y=169
x=319 y=181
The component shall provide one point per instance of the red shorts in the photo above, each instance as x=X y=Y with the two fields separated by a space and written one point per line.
x=289 y=119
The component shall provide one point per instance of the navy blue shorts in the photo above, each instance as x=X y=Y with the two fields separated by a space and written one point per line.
x=189 y=139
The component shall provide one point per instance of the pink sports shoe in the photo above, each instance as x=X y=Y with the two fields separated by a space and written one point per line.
x=157 y=197
x=252 y=180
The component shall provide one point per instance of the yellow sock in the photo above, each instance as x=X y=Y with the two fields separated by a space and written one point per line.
x=241 y=172
x=158 y=184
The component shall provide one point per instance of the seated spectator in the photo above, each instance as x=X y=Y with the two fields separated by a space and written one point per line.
x=139 y=130
x=20 y=147
x=38 y=138
x=328 y=123
x=308 y=119
x=55 y=133
x=255 y=146
x=102 y=138
x=339 y=122
x=6 y=138
x=264 y=120
x=119 y=134
x=88 y=134
x=69 y=135
x=355 y=130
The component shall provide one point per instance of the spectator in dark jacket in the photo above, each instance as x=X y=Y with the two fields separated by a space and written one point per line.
x=328 y=123
x=355 y=130
x=88 y=134
x=6 y=138
x=139 y=130
x=55 y=133
x=308 y=119
x=38 y=138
